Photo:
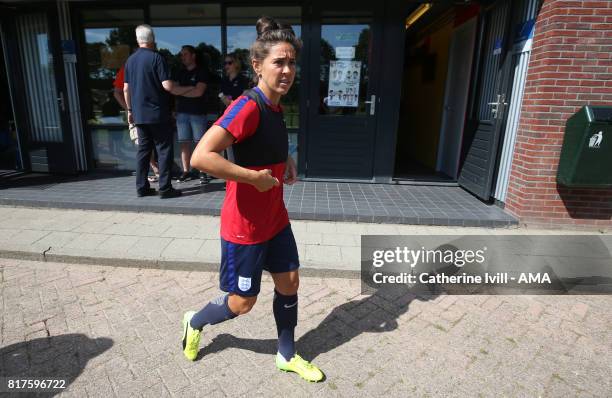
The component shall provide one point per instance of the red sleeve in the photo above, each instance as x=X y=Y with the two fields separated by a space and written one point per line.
x=118 y=83
x=241 y=118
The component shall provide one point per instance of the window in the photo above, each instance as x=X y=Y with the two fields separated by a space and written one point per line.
x=109 y=39
x=241 y=33
x=198 y=25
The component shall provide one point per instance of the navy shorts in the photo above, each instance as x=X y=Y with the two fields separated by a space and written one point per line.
x=242 y=265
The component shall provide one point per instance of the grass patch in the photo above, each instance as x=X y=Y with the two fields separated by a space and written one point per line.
x=332 y=386
x=483 y=351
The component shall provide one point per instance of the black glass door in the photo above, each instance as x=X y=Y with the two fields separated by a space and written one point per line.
x=344 y=98
x=42 y=107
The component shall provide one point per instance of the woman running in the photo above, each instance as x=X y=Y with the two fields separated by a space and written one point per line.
x=255 y=230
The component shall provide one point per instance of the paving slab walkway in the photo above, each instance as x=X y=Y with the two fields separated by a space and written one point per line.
x=189 y=242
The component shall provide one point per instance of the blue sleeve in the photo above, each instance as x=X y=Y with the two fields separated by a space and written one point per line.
x=161 y=68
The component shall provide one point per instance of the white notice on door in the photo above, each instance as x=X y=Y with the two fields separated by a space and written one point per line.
x=344 y=78
x=345 y=52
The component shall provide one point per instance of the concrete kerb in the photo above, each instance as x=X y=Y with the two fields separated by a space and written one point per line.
x=174 y=265
x=159 y=209
x=328 y=249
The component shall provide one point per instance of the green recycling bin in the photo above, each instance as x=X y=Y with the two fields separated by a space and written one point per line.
x=586 y=156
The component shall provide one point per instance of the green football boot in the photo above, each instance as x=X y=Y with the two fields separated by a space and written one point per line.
x=191 y=337
x=299 y=365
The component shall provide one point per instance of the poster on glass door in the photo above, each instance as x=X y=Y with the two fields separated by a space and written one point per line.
x=343 y=89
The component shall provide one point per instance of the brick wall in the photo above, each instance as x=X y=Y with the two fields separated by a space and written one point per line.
x=570 y=66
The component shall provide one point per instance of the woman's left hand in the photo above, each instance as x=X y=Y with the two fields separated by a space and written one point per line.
x=290 y=171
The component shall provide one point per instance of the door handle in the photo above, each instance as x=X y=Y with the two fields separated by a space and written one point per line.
x=498 y=106
x=372 y=103
x=494 y=110
x=60 y=101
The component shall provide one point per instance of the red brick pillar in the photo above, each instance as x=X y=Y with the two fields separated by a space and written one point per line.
x=570 y=66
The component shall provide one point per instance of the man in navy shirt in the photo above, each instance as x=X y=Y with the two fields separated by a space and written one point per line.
x=146 y=87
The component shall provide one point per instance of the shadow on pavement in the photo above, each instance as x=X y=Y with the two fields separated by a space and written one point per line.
x=377 y=313
x=56 y=357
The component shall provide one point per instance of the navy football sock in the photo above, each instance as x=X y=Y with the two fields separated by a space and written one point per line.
x=214 y=312
x=285 y=313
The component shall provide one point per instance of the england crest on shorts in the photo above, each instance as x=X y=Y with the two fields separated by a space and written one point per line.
x=244 y=284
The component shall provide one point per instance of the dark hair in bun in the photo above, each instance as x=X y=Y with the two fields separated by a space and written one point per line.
x=269 y=33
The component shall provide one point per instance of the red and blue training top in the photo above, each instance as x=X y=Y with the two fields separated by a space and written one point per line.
x=249 y=216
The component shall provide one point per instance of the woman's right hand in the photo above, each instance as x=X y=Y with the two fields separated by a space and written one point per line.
x=264 y=180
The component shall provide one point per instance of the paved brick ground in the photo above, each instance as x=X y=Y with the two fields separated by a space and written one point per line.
x=115 y=332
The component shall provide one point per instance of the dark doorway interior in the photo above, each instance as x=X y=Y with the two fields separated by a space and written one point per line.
x=430 y=125
x=9 y=147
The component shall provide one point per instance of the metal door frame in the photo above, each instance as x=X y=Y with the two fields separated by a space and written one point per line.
x=8 y=13
x=13 y=54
